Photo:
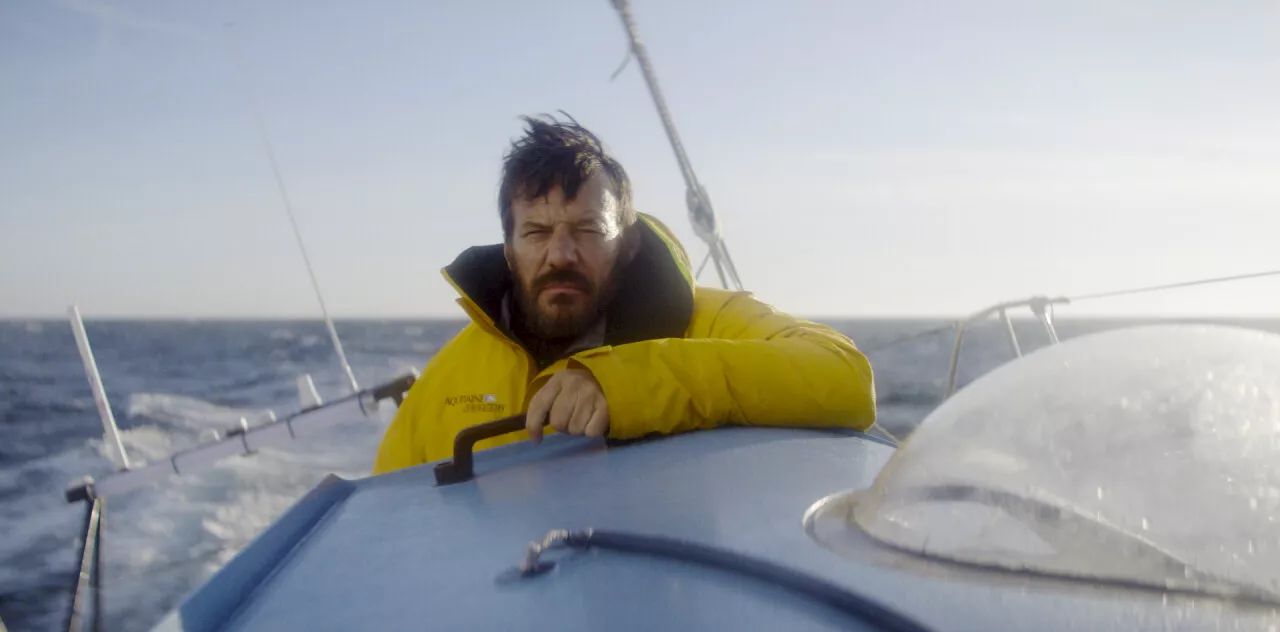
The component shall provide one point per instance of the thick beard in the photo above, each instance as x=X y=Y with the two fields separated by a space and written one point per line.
x=563 y=325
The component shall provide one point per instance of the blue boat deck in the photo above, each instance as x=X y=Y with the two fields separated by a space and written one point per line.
x=396 y=552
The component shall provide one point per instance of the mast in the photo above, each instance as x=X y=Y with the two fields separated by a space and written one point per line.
x=701 y=214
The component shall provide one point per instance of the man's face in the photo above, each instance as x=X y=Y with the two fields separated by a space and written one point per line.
x=563 y=255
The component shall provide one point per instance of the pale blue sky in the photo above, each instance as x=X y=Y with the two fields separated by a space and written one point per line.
x=865 y=158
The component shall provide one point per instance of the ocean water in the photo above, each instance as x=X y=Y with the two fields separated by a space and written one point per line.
x=171 y=382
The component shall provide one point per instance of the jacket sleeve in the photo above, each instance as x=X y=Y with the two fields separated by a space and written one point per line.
x=393 y=453
x=399 y=448
x=757 y=366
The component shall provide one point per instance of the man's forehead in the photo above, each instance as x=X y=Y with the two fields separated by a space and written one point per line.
x=594 y=201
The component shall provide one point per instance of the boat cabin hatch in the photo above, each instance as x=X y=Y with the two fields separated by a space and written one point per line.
x=1146 y=457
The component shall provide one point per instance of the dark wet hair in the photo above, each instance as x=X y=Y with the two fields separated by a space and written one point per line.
x=558 y=154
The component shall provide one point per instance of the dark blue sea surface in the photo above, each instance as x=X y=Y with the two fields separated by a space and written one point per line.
x=172 y=382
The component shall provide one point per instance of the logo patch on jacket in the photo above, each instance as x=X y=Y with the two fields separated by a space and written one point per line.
x=485 y=403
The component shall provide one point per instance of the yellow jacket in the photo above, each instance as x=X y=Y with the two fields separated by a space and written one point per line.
x=677 y=357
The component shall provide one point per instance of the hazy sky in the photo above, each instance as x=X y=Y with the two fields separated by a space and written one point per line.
x=865 y=158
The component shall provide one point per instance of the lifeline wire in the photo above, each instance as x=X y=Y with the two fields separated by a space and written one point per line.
x=1089 y=297
x=1171 y=286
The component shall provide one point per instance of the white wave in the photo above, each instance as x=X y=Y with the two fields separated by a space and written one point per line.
x=189 y=412
x=282 y=334
x=162 y=541
x=144 y=445
x=186 y=528
x=405 y=364
x=40 y=528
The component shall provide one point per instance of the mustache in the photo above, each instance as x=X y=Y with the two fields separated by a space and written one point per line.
x=565 y=276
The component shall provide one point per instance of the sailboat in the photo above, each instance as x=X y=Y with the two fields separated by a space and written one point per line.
x=1116 y=481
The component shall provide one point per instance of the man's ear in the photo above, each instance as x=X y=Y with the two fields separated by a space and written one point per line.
x=506 y=254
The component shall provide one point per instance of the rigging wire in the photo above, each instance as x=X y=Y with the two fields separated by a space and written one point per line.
x=293 y=220
x=1171 y=286
x=701 y=213
x=703 y=266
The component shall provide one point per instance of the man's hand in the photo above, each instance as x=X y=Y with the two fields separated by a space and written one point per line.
x=574 y=404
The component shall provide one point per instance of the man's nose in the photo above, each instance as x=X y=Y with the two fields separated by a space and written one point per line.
x=562 y=252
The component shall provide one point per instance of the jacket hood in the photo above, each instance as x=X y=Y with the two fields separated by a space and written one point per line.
x=654 y=297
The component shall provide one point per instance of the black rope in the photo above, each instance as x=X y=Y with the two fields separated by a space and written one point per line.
x=815 y=588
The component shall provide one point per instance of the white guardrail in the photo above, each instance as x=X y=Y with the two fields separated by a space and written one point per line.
x=244 y=439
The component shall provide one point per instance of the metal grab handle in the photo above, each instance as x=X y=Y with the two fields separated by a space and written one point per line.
x=461 y=468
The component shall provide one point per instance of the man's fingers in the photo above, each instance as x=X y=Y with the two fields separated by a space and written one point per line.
x=562 y=409
x=582 y=411
x=570 y=402
x=539 y=406
x=598 y=425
